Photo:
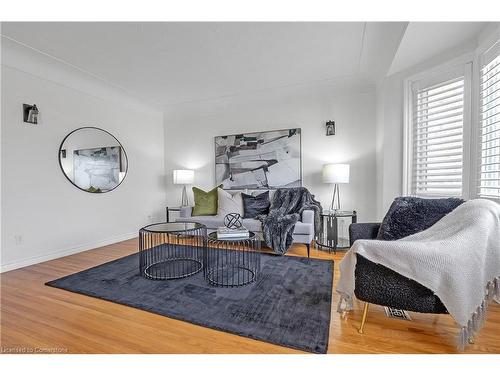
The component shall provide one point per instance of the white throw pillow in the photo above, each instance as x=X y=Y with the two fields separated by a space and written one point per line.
x=228 y=203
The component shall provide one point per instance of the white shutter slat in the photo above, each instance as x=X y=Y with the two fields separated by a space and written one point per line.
x=456 y=111
x=436 y=94
x=427 y=132
x=422 y=127
x=488 y=178
x=454 y=99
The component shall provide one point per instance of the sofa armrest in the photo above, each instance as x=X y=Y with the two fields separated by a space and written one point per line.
x=185 y=211
x=363 y=231
x=308 y=216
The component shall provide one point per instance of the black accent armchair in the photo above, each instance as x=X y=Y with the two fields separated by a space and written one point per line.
x=377 y=284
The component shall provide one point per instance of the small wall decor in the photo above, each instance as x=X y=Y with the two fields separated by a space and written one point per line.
x=30 y=113
x=330 y=128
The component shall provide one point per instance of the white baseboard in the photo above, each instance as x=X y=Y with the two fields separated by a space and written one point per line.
x=65 y=252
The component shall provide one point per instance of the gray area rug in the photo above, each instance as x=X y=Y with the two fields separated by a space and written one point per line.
x=288 y=305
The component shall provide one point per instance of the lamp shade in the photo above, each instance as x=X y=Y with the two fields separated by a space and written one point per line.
x=183 y=176
x=336 y=173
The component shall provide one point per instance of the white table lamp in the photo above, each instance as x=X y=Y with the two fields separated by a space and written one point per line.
x=183 y=177
x=336 y=174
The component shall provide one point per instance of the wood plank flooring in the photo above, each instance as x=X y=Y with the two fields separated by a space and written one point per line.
x=38 y=318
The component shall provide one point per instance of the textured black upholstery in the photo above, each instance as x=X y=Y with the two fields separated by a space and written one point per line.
x=382 y=286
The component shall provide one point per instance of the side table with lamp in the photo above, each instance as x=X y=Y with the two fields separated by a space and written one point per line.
x=329 y=234
x=180 y=177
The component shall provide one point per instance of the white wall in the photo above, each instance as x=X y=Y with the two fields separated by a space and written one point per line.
x=43 y=215
x=191 y=128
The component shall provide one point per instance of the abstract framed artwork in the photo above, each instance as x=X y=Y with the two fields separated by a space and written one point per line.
x=260 y=160
x=97 y=168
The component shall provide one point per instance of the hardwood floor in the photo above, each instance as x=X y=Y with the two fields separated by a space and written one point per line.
x=38 y=318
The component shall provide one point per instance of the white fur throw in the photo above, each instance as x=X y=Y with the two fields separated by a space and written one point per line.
x=458 y=258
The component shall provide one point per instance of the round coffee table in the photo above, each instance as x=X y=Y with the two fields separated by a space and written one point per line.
x=171 y=250
x=232 y=262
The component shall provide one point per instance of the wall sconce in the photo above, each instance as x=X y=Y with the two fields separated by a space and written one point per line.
x=330 y=128
x=30 y=114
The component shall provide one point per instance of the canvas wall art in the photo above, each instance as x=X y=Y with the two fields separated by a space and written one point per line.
x=97 y=168
x=264 y=160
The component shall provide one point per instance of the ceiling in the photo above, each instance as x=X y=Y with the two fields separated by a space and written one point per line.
x=424 y=40
x=169 y=63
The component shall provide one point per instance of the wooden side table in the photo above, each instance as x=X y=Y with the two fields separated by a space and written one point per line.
x=328 y=237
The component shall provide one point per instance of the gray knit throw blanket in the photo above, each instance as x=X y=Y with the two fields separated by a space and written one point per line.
x=286 y=209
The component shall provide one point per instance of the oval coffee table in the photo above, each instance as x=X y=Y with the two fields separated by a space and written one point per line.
x=171 y=250
x=232 y=262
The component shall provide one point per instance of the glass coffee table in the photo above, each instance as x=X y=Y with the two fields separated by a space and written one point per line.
x=231 y=262
x=171 y=250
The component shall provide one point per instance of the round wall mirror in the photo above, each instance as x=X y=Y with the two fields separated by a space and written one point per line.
x=93 y=160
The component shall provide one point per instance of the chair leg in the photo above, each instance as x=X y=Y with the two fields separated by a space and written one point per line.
x=308 y=245
x=363 y=319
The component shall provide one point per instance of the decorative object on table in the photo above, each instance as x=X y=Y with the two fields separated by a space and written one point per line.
x=254 y=206
x=336 y=174
x=171 y=250
x=183 y=177
x=261 y=160
x=233 y=221
x=227 y=233
x=30 y=114
x=205 y=202
x=330 y=128
x=328 y=236
x=421 y=272
x=169 y=209
x=286 y=208
x=265 y=310
x=236 y=261
x=93 y=160
x=229 y=203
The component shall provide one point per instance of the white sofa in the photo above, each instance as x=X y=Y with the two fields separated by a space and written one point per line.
x=303 y=233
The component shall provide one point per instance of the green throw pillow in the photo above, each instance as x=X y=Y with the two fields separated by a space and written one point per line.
x=205 y=203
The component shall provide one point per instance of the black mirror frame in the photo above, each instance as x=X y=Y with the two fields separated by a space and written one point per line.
x=64 y=173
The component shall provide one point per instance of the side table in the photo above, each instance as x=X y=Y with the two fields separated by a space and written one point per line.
x=171 y=250
x=231 y=262
x=328 y=237
x=173 y=209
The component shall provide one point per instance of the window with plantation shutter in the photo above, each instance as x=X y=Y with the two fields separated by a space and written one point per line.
x=489 y=124
x=439 y=106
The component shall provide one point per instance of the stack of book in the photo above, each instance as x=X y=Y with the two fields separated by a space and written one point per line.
x=226 y=233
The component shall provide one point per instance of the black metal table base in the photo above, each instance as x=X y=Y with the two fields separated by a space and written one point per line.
x=328 y=238
x=231 y=262
x=232 y=275
x=174 y=268
x=171 y=250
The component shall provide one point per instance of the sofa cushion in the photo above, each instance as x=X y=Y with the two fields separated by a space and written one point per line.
x=205 y=202
x=229 y=203
x=211 y=222
x=252 y=225
x=255 y=225
x=410 y=215
x=303 y=228
x=255 y=205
